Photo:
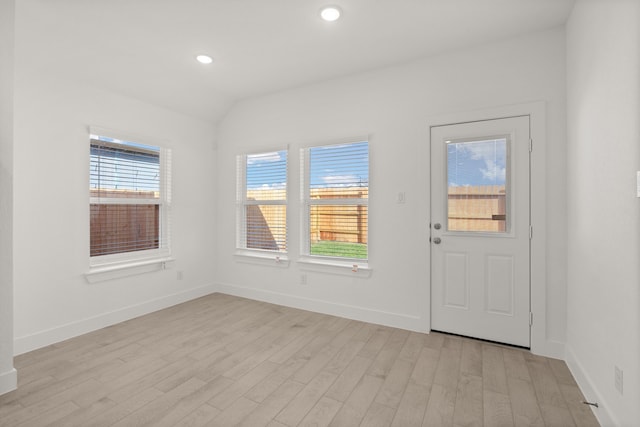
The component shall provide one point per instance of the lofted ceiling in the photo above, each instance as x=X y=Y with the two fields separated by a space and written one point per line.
x=146 y=48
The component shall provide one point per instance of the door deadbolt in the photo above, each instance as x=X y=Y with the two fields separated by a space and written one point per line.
x=437 y=226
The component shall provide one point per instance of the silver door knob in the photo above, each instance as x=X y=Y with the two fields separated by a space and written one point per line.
x=437 y=240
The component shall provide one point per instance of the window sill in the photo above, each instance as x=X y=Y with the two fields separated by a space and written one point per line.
x=262 y=258
x=346 y=268
x=119 y=270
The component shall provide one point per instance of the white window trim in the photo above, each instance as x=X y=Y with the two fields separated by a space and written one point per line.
x=105 y=267
x=249 y=255
x=125 y=269
x=262 y=257
x=337 y=265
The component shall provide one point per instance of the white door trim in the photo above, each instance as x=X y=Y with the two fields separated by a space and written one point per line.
x=537 y=112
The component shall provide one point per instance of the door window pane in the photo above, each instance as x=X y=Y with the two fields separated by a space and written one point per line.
x=477 y=185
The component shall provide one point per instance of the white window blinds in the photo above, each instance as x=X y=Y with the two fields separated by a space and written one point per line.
x=262 y=201
x=336 y=193
x=129 y=195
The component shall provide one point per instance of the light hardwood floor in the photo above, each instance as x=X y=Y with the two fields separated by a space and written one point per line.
x=224 y=361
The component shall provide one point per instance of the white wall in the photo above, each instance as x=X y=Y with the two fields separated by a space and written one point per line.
x=53 y=300
x=603 y=66
x=393 y=105
x=7 y=372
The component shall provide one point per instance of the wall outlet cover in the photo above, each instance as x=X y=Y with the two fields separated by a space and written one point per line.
x=618 y=381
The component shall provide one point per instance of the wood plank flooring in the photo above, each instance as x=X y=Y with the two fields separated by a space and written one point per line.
x=223 y=361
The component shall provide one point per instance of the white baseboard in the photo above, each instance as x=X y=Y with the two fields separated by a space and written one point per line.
x=550 y=348
x=60 y=333
x=602 y=413
x=8 y=381
x=364 y=314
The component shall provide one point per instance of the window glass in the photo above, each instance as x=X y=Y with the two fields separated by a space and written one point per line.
x=477 y=190
x=337 y=194
x=262 y=221
x=126 y=201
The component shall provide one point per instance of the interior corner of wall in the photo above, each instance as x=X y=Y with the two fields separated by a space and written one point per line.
x=589 y=389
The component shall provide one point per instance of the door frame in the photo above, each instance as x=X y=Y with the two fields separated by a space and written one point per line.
x=538 y=208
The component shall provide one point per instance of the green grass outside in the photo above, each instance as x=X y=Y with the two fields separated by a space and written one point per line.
x=339 y=249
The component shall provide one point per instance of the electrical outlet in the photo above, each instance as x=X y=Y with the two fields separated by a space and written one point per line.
x=618 y=379
x=402 y=198
x=179 y=275
x=303 y=279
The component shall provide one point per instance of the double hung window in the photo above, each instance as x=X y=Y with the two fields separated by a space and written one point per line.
x=129 y=200
x=335 y=194
x=262 y=202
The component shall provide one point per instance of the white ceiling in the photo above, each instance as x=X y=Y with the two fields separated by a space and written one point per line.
x=146 y=48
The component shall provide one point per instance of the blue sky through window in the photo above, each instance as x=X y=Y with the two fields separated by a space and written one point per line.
x=125 y=143
x=123 y=165
x=473 y=163
x=267 y=170
x=343 y=165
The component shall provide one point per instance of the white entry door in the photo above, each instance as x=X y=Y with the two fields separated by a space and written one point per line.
x=480 y=229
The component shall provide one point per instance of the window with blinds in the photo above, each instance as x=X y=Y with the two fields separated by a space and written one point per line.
x=129 y=199
x=335 y=190
x=262 y=201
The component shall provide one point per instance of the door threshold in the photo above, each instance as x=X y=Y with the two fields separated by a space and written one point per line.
x=498 y=343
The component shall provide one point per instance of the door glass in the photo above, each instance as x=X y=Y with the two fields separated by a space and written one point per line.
x=477 y=185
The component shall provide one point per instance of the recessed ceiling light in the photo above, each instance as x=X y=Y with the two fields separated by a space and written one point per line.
x=330 y=13
x=204 y=59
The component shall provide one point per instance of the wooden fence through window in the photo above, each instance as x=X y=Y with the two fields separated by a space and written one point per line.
x=477 y=208
x=118 y=228
x=124 y=227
